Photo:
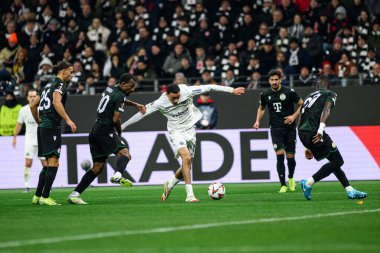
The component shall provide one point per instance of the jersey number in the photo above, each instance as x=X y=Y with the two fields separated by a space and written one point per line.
x=45 y=102
x=103 y=103
x=310 y=101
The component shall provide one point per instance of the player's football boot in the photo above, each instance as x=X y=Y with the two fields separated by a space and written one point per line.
x=192 y=199
x=26 y=190
x=77 y=200
x=355 y=194
x=283 y=189
x=292 y=184
x=306 y=189
x=166 y=192
x=36 y=200
x=121 y=181
x=48 y=202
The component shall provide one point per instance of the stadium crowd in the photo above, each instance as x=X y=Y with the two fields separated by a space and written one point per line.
x=232 y=42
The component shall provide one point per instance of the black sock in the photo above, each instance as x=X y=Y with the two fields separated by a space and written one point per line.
x=86 y=181
x=49 y=179
x=281 y=168
x=334 y=164
x=41 y=182
x=121 y=164
x=291 y=166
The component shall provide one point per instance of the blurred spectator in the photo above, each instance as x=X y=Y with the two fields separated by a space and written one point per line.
x=288 y=10
x=229 y=80
x=173 y=61
x=200 y=57
x=353 y=78
x=47 y=52
x=19 y=66
x=267 y=56
x=343 y=66
x=360 y=51
x=263 y=36
x=374 y=35
x=51 y=35
x=79 y=76
x=203 y=36
x=140 y=55
x=98 y=35
x=230 y=50
x=144 y=72
x=348 y=40
x=363 y=23
x=327 y=71
x=117 y=68
x=85 y=18
x=340 y=21
x=305 y=78
x=246 y=31
x=157 y=59
x=186 y=68
x=254 y=66
x=333 y=55
x=209 y=113
x=277 y=21
x=323 y=28
x=206 y=78
x=8 y=53
x=231 y=65
x=87 y=58
x=10 y=28
x=282 y=40
x=374 y=76
x=366 y=64
x=281 y=62
x=296 y=30
x=142 y=40
x=254 y=81
x=180 y=78
x=30 y=28
x=313 y=45
x=161 y=31
x=297 y=57
x=8 y=114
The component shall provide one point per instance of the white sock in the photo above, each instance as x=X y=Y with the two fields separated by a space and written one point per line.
x=310 y=181
x=75 y=194
x=117 y=174
x=27 y=176
x=189 y=190
x=349 y=188
x=173 y=182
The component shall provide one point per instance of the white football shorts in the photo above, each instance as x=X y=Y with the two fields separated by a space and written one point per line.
x=31 y=151
x=184 y=139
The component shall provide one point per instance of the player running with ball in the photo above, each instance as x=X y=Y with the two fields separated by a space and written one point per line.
x=176 y=104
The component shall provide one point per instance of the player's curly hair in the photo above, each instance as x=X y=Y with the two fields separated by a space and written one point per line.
x=274 y=73
x=61 y=66
x=172 y=88
x=323 y=82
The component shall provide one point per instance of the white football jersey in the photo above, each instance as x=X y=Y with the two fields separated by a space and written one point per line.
x=25 y=116
x=183 y=115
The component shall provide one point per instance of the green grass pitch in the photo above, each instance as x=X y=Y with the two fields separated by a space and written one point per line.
x=251 y=218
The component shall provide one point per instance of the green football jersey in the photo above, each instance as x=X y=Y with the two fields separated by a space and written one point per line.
x=312 y=109
x=48 y=115
x=112 y=100
x=280 y=105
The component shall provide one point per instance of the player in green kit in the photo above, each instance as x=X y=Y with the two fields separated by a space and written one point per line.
x=48 y=110
x=280 y=101
x=315 y=111
x=105 y=136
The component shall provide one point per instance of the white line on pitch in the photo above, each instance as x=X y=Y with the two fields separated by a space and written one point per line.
x=12 y=244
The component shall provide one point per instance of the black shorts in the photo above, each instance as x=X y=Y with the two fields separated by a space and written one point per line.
x=49 y=142
x=321 y=149
x=284 y=139
x=103 y=142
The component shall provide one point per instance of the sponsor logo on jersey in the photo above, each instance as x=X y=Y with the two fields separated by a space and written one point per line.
x=111 y=135
x=282 y=96
x=269 y=97
x=179 y=114
x=54 y=138
x=333 y=145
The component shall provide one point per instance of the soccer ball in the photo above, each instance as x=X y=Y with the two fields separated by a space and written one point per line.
x=216 y=191
x=86 y=165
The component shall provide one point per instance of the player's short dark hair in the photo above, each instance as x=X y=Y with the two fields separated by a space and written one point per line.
x=172 y=88
x=274 y=73
x=323 y=82
x=61 y=66
x=31 y=90
x=126 y=77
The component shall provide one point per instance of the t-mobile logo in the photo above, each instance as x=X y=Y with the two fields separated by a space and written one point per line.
x=277 y=106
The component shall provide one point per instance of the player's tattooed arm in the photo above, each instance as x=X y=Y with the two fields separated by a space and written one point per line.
x=33 y=109
x=117 y=122
x=324 y=116
x=138 y=106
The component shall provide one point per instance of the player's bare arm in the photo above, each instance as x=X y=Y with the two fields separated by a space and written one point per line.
x=58 y=106
x=34 y=107
x=291 y=118
x=324 y=116
x=138 y=106
x=259 y=116
x=117 y=122
x=16 y=132
x=238 y=91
